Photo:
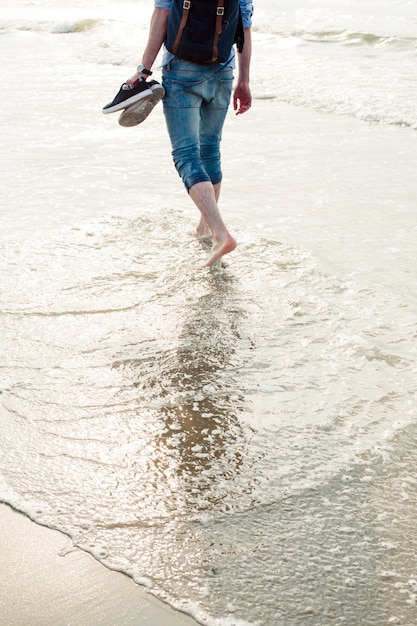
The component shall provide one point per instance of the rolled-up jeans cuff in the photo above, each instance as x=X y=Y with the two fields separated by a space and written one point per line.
x=192 y=180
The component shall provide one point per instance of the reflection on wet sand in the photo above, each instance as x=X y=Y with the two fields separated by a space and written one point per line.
x=197 y=388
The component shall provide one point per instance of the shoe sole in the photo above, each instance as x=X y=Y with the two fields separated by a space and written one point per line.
x=139 y=111
x=128 y=102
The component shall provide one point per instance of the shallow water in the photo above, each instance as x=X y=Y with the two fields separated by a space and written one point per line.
x=241 y=440
x=220 y=436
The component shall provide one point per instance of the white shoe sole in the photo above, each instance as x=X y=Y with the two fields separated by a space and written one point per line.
x=129 y=101
x=139 y=111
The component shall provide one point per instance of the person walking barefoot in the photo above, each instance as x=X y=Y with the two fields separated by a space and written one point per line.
x=198 y=92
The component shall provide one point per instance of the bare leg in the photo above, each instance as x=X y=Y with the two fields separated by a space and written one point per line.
x=203 y=230
x=204 y=197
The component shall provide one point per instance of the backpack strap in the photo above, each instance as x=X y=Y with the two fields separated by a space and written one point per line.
x=185 y=13
x=219 y=28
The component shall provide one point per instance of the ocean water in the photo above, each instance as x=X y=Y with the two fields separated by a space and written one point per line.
x=241 y=441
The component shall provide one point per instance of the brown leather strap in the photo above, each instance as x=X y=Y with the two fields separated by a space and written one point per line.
x=219 y=28
x=185 y=13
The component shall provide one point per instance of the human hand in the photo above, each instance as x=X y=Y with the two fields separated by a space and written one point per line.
x=242 y=98
x=135 y=77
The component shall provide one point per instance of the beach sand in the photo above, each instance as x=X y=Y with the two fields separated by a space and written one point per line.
x=40 y=587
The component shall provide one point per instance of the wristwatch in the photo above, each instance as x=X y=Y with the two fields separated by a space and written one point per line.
x=141 y=69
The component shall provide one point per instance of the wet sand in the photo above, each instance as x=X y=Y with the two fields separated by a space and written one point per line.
x=44 y=585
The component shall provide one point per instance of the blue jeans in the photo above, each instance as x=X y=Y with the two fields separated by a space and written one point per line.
x=195 y=105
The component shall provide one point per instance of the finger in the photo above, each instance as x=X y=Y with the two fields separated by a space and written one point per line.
x=132 y=79
x=243 y=107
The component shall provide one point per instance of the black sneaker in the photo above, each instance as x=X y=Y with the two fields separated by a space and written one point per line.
x=139 y=111
x=128 y=94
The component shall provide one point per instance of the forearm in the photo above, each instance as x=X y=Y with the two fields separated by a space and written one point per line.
x=157 y=32
x=244 y=58
x=242 y=97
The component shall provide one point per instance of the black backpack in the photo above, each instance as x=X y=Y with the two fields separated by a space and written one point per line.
x=204 y=31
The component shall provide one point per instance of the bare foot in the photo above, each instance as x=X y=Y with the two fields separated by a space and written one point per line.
x=203 y=231
x=205 y=237
x=220 y=248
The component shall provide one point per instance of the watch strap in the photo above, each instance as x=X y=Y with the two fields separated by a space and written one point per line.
x=141 y=69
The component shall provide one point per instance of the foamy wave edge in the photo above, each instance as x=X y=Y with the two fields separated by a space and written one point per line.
x=55 y=27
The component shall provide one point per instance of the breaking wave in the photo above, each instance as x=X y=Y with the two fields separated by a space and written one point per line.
x=57 y=27
x=369 y=40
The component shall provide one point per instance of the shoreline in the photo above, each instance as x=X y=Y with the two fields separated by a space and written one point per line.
x=40 y=587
